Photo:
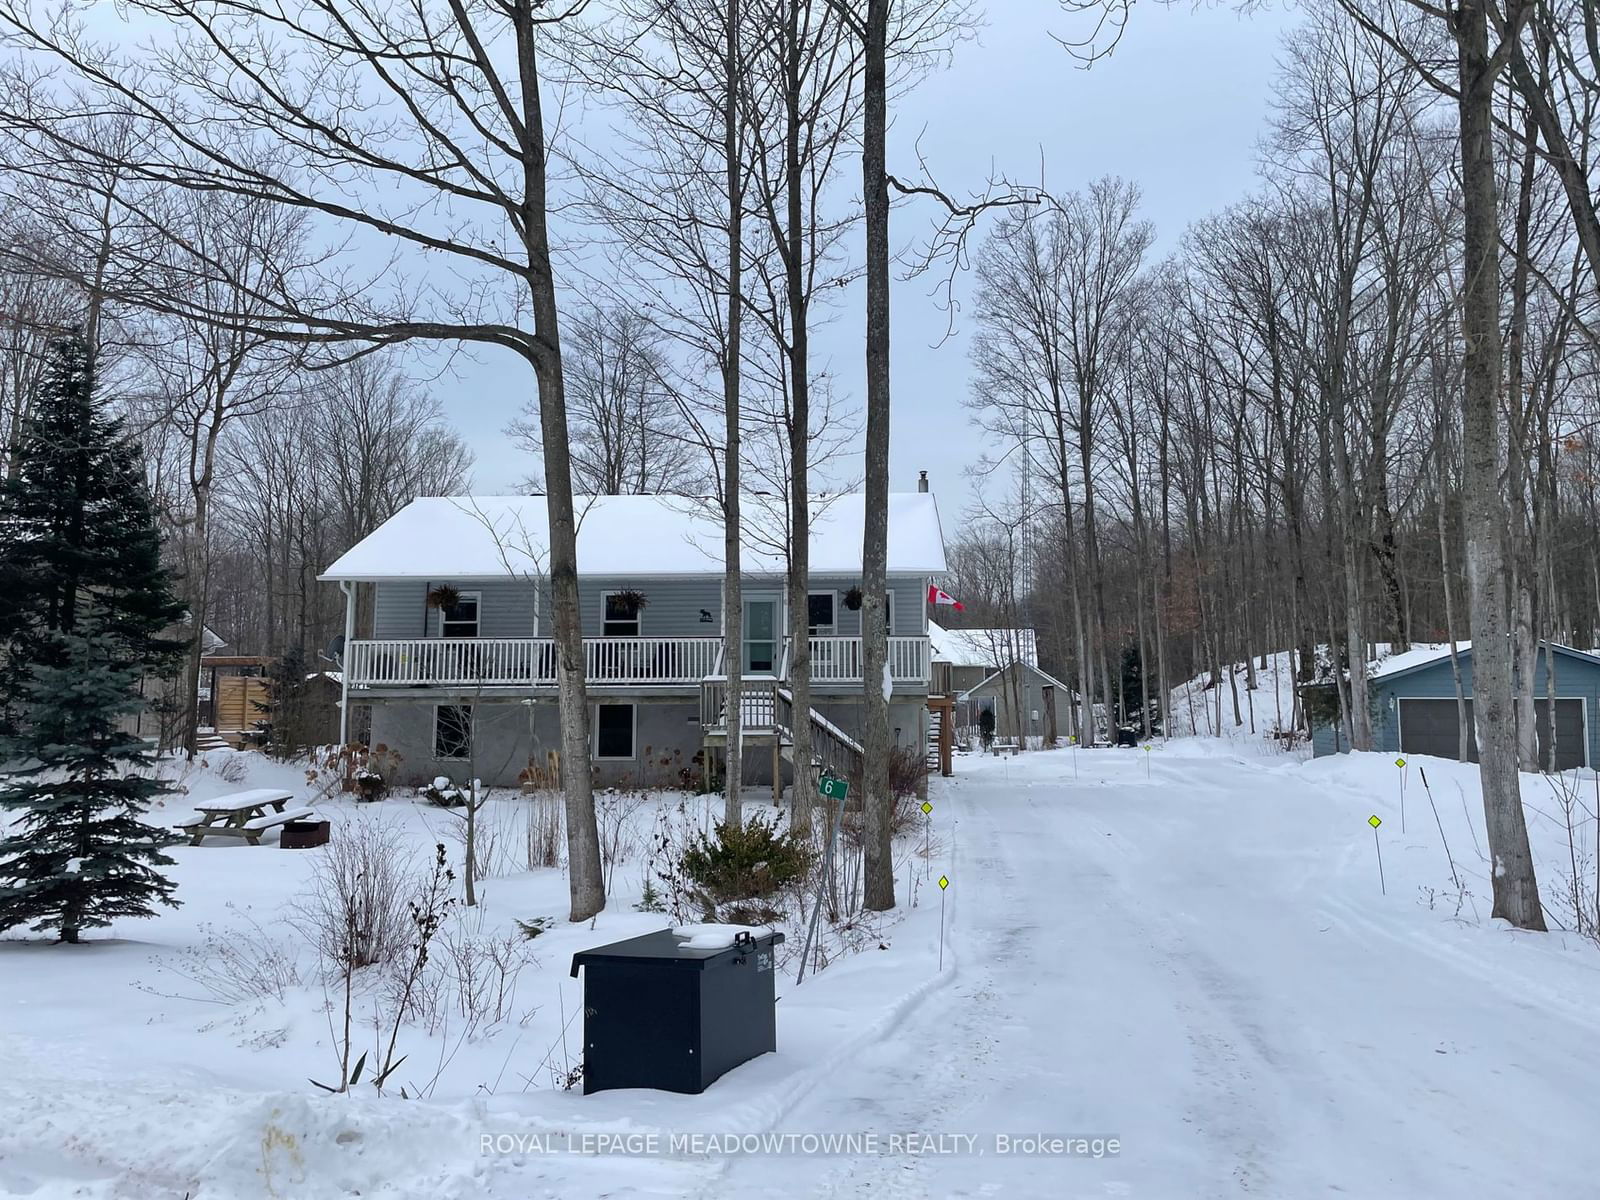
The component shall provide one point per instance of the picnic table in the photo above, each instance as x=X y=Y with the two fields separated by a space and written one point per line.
x=1003 y=746
x=243 y=814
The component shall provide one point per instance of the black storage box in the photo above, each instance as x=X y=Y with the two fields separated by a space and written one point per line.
x=660 y=1013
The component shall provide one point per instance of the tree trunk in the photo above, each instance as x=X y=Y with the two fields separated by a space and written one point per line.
x=799 y=428
x=1516 y=893
x=1520 y=533
x=878 y=864
x=1464 y=742
x=585 y=881
x=732 y=373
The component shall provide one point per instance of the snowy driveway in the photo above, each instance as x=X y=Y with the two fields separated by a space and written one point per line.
x=1201 y=965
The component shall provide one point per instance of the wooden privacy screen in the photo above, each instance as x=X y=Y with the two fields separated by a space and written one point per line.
x=238 y=701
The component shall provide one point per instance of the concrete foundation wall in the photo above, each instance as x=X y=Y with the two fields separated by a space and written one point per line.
x=510 y=736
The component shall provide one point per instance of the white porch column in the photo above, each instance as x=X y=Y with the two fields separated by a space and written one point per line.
x=349 y=590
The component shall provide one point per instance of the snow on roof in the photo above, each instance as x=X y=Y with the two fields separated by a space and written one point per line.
x=982 y=647
x=1419 y=655
x=486 y=537
x=1423 y=653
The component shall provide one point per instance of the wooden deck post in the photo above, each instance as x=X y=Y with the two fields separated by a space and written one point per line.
x=777 y=768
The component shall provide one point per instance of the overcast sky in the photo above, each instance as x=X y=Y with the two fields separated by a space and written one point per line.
x=1178 y=109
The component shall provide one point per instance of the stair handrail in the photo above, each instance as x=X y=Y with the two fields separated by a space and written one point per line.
x=832 y=749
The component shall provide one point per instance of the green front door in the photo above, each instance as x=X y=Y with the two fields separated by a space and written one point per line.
x=760 y=636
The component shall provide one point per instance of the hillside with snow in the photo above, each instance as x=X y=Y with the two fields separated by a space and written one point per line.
x=1230 y=708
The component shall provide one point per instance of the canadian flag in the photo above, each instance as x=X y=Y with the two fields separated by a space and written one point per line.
x=938 y=596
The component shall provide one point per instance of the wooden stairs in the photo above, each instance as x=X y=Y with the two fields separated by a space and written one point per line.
x=209 y=739
x=767 y=718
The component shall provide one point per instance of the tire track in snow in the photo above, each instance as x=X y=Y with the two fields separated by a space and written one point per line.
x=883 y=1088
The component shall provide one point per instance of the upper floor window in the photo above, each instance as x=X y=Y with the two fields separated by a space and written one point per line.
x=460 y=620
x=821 y=613
x=620 y=616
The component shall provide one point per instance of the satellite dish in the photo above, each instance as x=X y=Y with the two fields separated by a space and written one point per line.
x=335 y=650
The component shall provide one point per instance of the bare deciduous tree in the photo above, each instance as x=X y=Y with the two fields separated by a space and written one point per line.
x=436 y=113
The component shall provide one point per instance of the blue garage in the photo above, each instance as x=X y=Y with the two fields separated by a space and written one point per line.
x=1414 y=706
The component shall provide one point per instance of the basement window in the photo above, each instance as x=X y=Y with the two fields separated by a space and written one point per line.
x=452 y=732
x=614 y=728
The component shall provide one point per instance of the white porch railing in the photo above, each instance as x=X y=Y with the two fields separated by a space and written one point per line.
x=527 y=662
x=493 y=662
x=531 y=662
x=842 y=660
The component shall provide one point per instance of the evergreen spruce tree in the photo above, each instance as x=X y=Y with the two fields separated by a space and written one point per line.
x=79 y=856
x=84 y=603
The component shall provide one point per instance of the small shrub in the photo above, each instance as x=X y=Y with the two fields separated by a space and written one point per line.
x=614 y=811
x=369 y=785
x=751 y=912
x=676 y=828
x=494 y=834
x=536 y=927
x=245 y=962
x=471 y=979
x=233 y=769
x=986 y=725
x=368 y=772
x=483 y=969
x=362 y=888
x=544 y=838
x=749 y=861
x=908 y=771
x=649 y=899
x=443 y=794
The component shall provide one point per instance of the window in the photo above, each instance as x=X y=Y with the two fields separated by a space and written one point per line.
x=618 y=617
x=614 y=730
x=460 y=620
x=820 y=614
x=452 y=731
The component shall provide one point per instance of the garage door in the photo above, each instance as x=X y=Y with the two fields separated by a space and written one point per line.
x=1429 y=727
x=1569 y=733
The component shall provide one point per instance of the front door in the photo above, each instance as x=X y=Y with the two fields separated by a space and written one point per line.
x=760 y=636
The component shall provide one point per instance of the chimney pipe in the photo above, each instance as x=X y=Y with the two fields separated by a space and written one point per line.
x=922 y=481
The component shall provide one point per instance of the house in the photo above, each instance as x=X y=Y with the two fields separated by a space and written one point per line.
x=998 y=670
x=1026 y=702
x=457 y=666
x=1414 y=705
x=964 y=658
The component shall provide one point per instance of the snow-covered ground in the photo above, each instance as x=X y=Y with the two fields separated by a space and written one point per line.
x=1184 y=949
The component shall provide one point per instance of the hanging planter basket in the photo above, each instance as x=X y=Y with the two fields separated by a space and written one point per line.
x=631 y=601
x=852 y=599
x=443 y=597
